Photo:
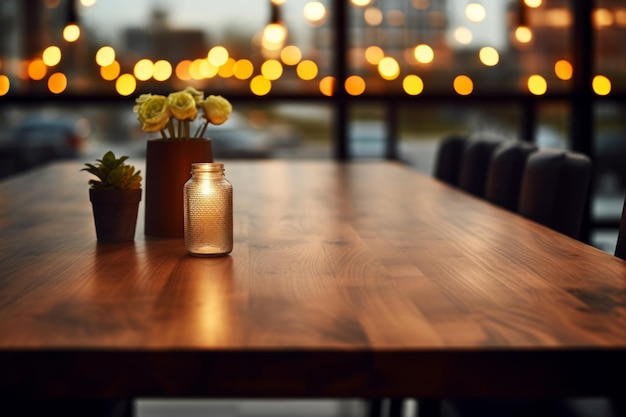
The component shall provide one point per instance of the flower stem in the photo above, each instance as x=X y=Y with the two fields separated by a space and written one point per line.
x=204 y=126
x=170 y=128
x=187 y=135
x=163 y=135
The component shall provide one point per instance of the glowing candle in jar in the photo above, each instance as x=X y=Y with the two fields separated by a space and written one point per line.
x=208 y=216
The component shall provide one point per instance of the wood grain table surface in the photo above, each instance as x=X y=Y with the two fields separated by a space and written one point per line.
x=363 y=279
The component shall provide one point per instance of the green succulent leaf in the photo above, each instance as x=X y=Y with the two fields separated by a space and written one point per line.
x=113 y=173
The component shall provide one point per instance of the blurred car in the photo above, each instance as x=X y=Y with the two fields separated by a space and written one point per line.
x=40 y=139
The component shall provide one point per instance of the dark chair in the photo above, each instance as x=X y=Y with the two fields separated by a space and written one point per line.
x=620 y=249
x=475 y=163
x=555 y=188
x=504 y=175
x=448 y=159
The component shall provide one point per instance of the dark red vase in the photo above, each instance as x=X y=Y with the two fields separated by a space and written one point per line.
x=168 y=167
x=115 y=213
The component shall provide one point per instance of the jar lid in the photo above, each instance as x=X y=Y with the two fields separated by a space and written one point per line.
x=207 y=167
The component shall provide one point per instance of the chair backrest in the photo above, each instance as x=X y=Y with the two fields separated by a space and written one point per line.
x=448 y=159
x=475 y=164
x=555 y=188
x=620 y=249
x=504 y=176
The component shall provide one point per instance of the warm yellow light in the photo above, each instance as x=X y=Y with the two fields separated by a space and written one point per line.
x=307 y=70
x=125 y=85
x=87 y=3
x=620 y=17
x=202 y=68
x=533 y=3
x=314 y=11
x=278 y=2
x=602 y=17
x=463 y=85
x=162 y=70
x=71 y=32
x=228 y=69
x=274 y=36
x=243 y=69
x=355 y=85
x=413 y=85
x=523 y=34
x=361 y=3
x=218 y=56
x=272 y=69
x=421 y=4
x=475 y=12
x=51 y=56
x=5 y=85
x=327 y=86
x=424 y=53
x=291 y=55
x=388 y=68
x=57 y=83
x=105 y=56
x=373 y=54
x=182 y=70
x=260 y=85
x=563 y=69
x=111 y=71
x=601 y=85
x=463 y=35
x=373 y=16
x=143 y=69
x=37 y=69
x=489 y=56
x=537 y=85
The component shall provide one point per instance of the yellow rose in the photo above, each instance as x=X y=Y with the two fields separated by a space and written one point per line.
x=216 y=109
x=182 y=105
x=198 y=96
x=153 y=113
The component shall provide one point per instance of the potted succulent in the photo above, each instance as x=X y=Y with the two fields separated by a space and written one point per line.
x=114 y=197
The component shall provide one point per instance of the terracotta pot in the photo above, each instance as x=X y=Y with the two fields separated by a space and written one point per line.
x=115 y=213
x=168 y=167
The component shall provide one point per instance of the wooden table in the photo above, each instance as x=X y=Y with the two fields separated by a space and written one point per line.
x=346 y=280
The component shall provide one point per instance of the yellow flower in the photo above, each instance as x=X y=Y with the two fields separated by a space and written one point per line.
x=182 y=105
x=198 y=96
x=153 y=113
x=216 y=109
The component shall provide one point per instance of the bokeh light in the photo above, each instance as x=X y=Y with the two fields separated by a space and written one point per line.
x=373 y=16
x=563 y=69
x=475 y=12
x=228 y=69
x=125 y=85
x=260 y=85
x=601 y=85
x=143 y=69
x=110 y=72
x=162 y=70
x=361 y=3
x=327 y=86
x=373 y=54
x=424 y=53
x=218 y=56
x=243 y=69
x=105 y=56
x=463 y=35
x=291 y=55
x=314 y=12
x=51 y=56
x=5 y=85
x=307 y=70
x=355 y=85
x=388 y=68
x=71 y=32
x=272 y=69
x=523 y=34
x=489 y=56
x=537 y=85
x=57 y=83
x=463 y=85
x=182 y=70
x=37 y=69
x=533 y=3
x=413 y=85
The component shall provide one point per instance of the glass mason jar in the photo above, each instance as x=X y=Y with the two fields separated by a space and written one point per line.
x=208 y=216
